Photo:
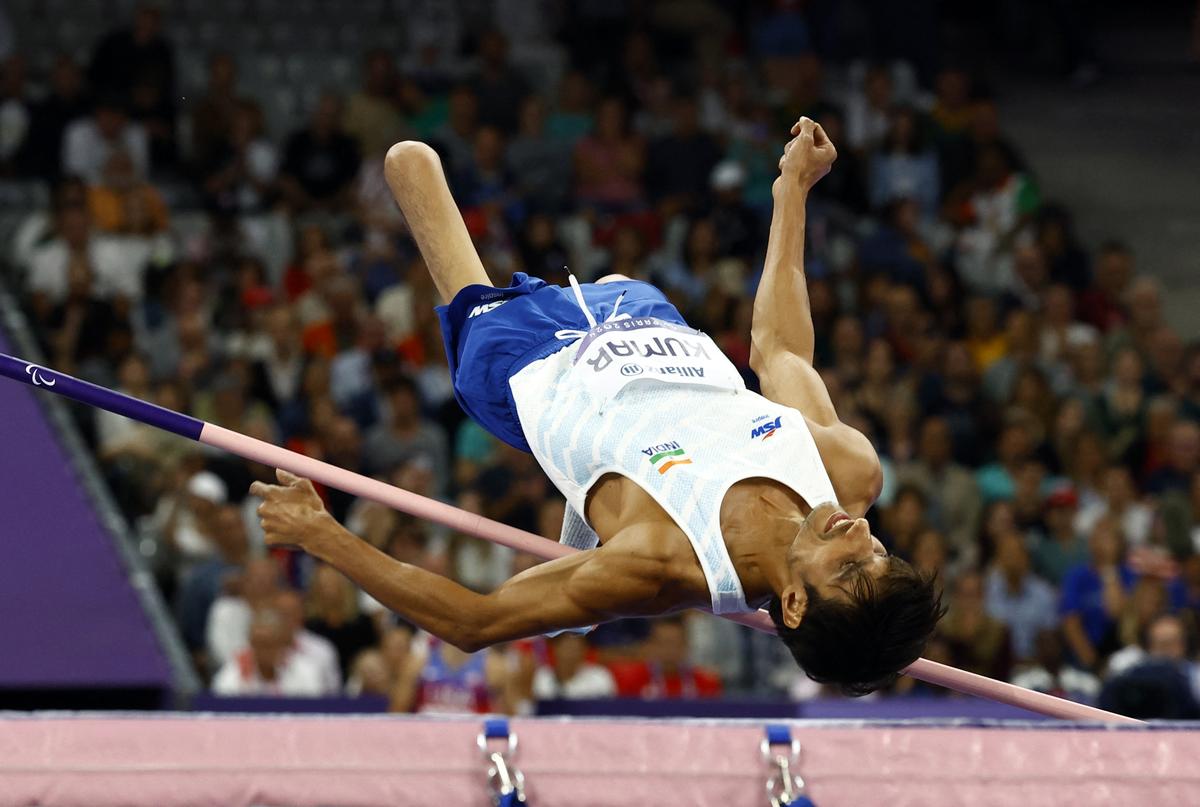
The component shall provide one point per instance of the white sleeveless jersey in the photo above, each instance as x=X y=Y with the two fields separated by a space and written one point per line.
x=660 y=404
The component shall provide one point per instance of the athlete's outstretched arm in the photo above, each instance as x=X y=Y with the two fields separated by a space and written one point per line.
x=571 y=592
x=782 y=321
x=782 y=334
x=414 y=173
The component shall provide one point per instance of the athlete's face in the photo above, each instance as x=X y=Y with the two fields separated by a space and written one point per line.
x=830 y=550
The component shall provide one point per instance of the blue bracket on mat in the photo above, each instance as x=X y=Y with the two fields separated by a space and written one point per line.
x=495 y=728
x=781 y=752
x=498 y=744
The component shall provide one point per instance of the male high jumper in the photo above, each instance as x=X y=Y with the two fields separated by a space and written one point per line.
x=684 y=488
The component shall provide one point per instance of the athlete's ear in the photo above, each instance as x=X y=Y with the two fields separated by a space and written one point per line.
x=795 y=602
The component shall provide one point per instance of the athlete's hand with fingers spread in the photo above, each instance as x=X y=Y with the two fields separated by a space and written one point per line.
x=807 y=157
x=292 y=514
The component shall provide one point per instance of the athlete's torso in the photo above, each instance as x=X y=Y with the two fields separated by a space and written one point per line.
x=639 y=422
x=615 y=502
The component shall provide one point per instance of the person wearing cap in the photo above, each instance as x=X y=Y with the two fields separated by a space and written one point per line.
x=191 y=525
x=1062 y=546
x=738 y=228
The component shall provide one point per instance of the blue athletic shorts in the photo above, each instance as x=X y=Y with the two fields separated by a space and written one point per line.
x=491 y=334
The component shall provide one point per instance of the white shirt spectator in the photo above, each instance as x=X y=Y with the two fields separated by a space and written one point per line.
x=191 y=541
x=32 y=232
x=1070 y=681
x=115 y=431
x=14 y=125
x=46 y=273
x=297 y=677
x=118 y=268
x=1124 y=659
x=589 y=681
x=984 y=252
x=350 y=376
x=1056 y=346
x=227 y=628
x=1136 y=521
x=229 y=625
x=86 y=151
x=262 y=164
x=321 y=654
x=866 y=126
x=395 y=309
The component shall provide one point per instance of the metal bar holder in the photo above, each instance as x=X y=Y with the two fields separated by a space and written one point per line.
x=506 y=784
x=781 y=753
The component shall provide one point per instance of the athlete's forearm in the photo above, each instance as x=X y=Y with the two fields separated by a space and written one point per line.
x=782 y=320
x=430 y=601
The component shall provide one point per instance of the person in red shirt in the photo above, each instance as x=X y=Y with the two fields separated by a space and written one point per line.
x=1103 y=304
x=665 y=670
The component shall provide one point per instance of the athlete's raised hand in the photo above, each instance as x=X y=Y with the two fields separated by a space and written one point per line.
x=808 y=156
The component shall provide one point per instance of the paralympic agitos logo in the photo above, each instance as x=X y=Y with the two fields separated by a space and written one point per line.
x=39 y=376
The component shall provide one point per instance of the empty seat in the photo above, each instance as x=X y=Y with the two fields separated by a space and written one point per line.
x=343 y=70
x=193 y=69
x=270 y=67
x=280 y=35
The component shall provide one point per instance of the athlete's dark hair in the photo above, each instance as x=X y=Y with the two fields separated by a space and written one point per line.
x=862 y=644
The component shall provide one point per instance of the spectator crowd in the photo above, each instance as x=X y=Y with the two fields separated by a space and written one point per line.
x=1037 y=418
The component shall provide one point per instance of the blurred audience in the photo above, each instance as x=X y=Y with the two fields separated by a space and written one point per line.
x=229 y=619
x=219 y=243
x=332 y=612
x=664 y=669
x=447 y=680
x=266 y=666
x=569 y=674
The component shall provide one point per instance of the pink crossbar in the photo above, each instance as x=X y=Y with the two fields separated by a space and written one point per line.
x=496 y=532
x=106 y=761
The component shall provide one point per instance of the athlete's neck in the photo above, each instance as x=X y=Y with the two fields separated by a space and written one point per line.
x=759 y=521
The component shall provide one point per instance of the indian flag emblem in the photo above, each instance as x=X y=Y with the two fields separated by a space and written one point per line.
x=666 y=456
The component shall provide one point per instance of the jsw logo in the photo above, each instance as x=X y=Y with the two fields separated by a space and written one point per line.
x=39 y=376
x=767 y=429
x=486 y=307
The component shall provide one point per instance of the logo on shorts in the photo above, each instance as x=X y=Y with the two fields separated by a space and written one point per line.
x=767 y=429
x=631 y=369
x=666 y=456
x=486 y=307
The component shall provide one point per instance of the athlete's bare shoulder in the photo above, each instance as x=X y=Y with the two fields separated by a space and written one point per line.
x=852 y=464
